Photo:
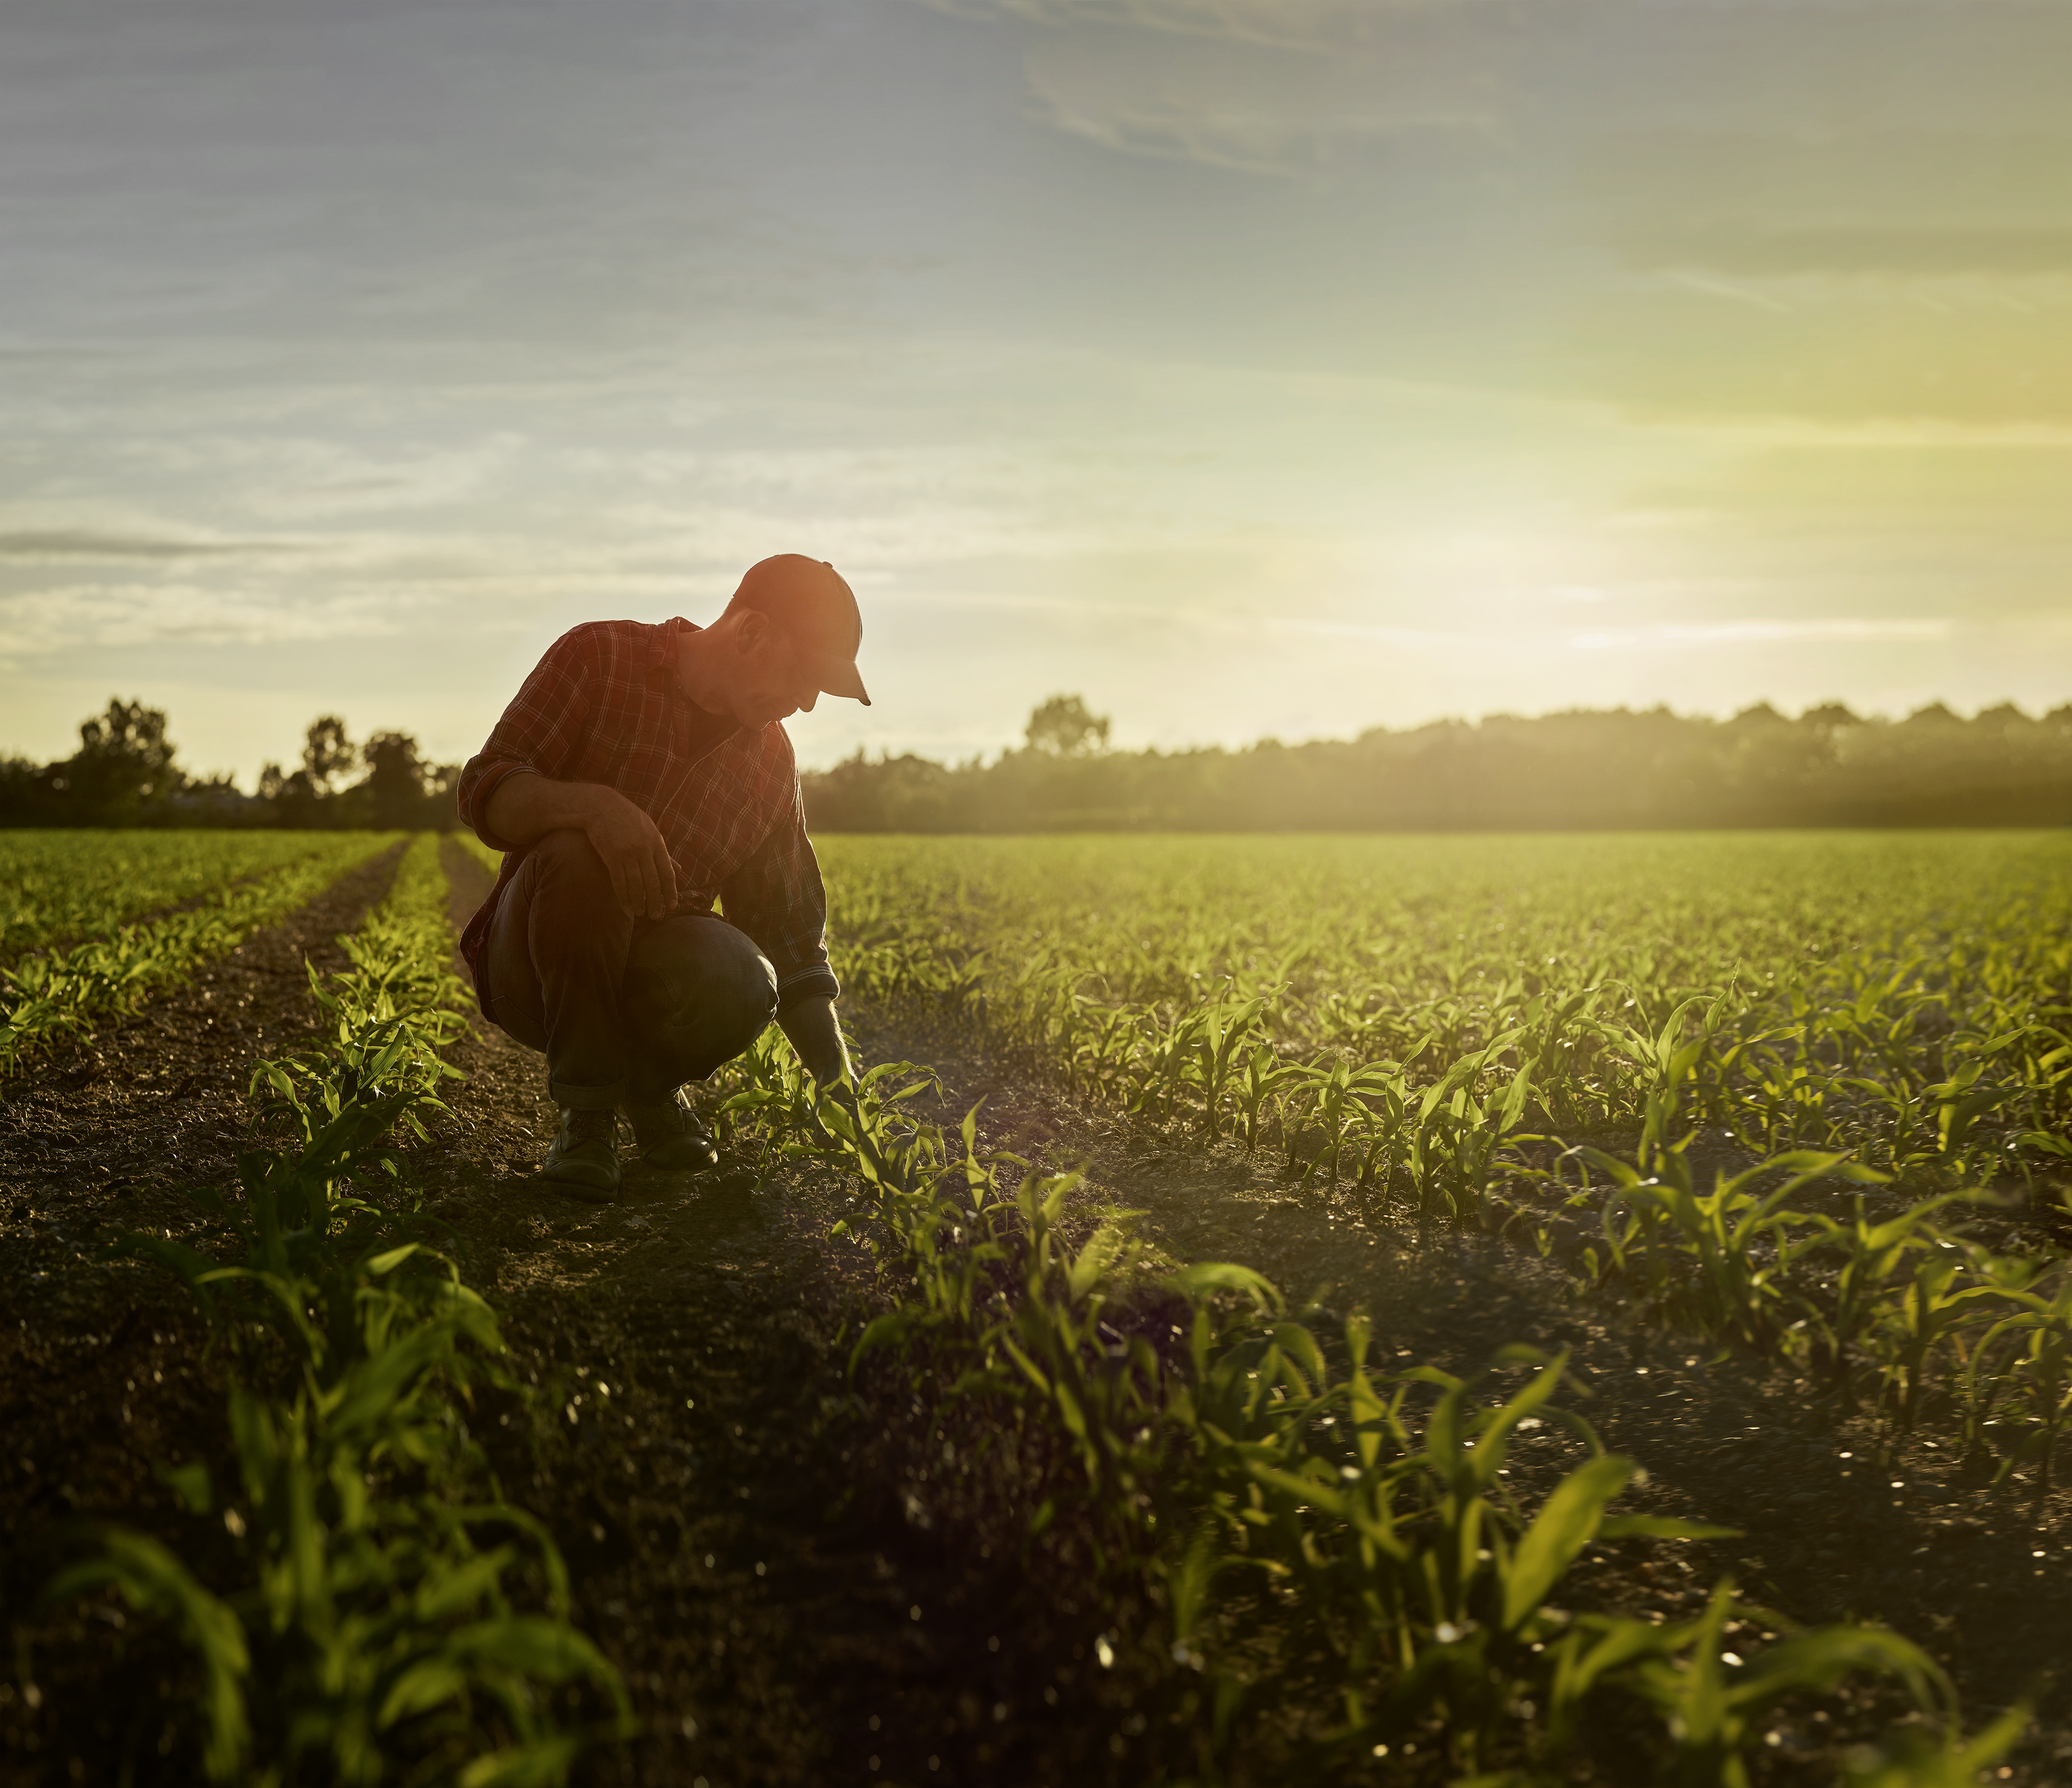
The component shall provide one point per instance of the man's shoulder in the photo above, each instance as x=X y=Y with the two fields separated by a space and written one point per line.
x=611 y=638
x=615 y=648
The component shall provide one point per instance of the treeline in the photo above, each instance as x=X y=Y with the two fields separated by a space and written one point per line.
x=126 y=773
x=1584 y=769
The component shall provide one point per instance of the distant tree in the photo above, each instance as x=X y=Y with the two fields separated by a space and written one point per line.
x=1065 y=727
x=396 y=779
x=214 y=801
x=1831 y=716
x=1584 y=769
x=32 y=793
x=295 y=798
x=2001 y=714
x=907 y=794
x=327 y=753
x=443 y=797
x=124 y=759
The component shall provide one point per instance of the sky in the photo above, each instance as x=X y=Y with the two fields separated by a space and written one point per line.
x=1249 y=366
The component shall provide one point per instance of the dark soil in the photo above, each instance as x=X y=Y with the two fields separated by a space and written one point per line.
x=101 y=1367
x=807 y=1581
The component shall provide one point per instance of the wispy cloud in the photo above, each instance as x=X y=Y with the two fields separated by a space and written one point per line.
x=38 y=544
x=106 y=615
x=1686 y=635
x=1253 y=106
x=1926 y=250
x=1377 y=634
x=1307 y=24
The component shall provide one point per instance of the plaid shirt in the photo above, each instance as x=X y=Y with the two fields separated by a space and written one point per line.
x=604 y=704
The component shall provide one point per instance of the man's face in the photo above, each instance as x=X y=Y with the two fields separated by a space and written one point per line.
x=769 y=683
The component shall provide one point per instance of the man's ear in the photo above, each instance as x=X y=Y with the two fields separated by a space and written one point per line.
x=751 y=631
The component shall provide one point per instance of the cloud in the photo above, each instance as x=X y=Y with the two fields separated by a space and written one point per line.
x=1284 y=86
x=104 y=615
x=1258 y=107
x=1763 y=633
x=1900 y=205
x=1299 y=23
x=37 y=544
x=1920 y=251
x=1375 y=634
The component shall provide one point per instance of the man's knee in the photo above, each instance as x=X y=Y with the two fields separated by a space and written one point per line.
x=699 y=987
x=728 y=977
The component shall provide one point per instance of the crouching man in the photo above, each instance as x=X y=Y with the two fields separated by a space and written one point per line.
x=641 y=775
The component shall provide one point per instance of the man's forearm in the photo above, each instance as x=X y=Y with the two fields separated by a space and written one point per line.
x=810 y=1025
x=526 y=808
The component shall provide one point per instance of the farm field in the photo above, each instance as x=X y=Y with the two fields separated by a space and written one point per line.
x=61 y=882
x=59 y=886
x=1154 y=1423
x=1835 y=979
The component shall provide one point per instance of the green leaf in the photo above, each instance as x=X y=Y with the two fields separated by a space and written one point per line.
x=153 y=1581
x=1197 y=1282
x=189 y=1483
x=545 y=1762
x=1567 y=1522
x=1102 y=1248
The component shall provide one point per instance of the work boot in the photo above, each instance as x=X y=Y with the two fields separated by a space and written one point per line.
x=671 y=1136
x=585 y=1155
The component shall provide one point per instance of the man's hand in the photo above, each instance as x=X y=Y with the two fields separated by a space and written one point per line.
x=643 y=875
x=524 y=808
x=810 y=1025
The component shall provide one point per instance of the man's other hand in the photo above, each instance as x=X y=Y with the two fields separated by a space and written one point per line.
x=810 y=1023
x=643 y=875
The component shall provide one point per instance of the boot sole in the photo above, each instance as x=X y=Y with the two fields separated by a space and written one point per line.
x=660 y=1159
x=590 y=1191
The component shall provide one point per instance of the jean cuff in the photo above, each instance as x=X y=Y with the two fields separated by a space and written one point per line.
x=571 y=1097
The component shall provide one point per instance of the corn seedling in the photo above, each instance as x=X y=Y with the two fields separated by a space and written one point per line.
x=380 y=1624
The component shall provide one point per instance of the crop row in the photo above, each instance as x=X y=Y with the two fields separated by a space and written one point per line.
x=1433 y=1132
x=1917 y=1064
x=384 y=1605
x=1363 y=930
x=1899 y=1306
x=1303 y=1556
x=64 y=992
x=1908 y=1002
x=60 y=886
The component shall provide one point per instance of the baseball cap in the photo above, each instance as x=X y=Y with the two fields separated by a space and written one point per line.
x=810 y=600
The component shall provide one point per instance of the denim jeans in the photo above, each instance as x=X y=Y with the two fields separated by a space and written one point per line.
x=626 y=1009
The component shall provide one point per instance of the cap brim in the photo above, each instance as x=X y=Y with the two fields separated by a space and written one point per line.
x=840 y=677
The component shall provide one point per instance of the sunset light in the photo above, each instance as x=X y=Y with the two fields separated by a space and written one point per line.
x=1270 y=368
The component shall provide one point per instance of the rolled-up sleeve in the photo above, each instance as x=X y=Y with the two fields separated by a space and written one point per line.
x=777 y=898
x=540 y=732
